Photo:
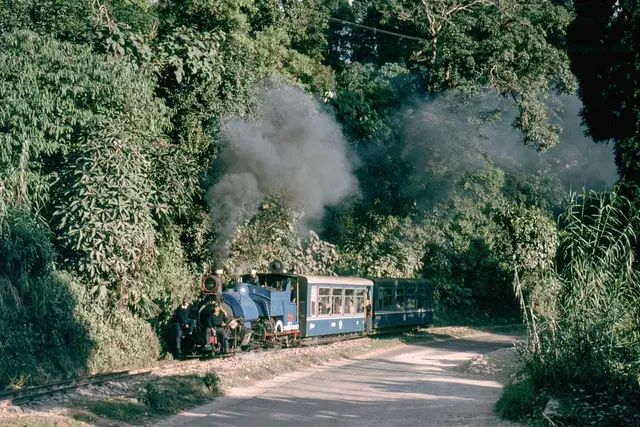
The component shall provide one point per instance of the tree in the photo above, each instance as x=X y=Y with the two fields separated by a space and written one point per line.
x=78 y=147
x=603 y=42
x=513 y=47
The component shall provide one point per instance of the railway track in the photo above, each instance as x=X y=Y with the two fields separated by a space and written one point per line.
x=19 y=397
x=29 y=394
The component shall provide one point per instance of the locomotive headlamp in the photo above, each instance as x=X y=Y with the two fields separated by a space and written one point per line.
x=210 y=284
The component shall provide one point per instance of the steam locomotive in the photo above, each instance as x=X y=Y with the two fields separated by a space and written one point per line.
x=289 y=309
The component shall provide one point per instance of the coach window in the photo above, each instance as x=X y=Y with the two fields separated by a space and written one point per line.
x=337 y=301
x=360 y=293
x=387 y=294
x=422 y=296
x=429 y=298
x=314 y=301
x=411 y=297
x=399 y=298
x=350 y=306
x=324 y=305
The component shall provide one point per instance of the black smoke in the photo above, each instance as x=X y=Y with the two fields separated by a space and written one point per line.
x=294 y=148
x=449 y=135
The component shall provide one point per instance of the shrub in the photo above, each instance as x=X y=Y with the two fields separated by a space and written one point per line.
x=158 y=400
x=212 y=381
x=519 y=400
x=40 y=336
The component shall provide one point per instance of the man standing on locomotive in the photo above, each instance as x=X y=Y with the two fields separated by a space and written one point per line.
x=217 y=322
x=254 y=279
x=183 y=321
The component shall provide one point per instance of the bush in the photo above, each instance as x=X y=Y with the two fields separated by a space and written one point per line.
x=40 y=337
x=159 y=401
x=212 y=381
x=519 y=400
x=121 y=339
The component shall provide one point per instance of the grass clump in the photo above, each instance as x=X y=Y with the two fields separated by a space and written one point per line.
x=519 y=400
x=173 y=394
x=117 y=409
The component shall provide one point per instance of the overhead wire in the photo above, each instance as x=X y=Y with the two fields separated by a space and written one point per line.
x=379 y=30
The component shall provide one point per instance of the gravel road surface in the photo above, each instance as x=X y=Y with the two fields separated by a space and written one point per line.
x=416 y=385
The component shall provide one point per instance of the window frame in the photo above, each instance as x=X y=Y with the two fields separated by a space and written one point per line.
x=340 y=295
x=399 y=295
x=412 y=300
x=361 y=293
x=387 y=298
x=321 y=299
x=313 y=311
x=350 y=294
x=422 y=298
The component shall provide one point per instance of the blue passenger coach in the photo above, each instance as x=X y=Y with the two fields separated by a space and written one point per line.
x=401 y=304
x=307 y=306
x=332 y=305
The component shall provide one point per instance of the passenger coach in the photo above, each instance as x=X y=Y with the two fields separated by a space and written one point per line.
x=401 y=304
x=332 y=305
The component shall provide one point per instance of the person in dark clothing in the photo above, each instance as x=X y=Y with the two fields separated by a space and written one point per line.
x=216 y=324
x=254 y=279
x=367 y=315
x=183 y=321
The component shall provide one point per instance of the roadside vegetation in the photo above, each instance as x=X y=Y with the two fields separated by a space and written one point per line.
x=464 y=140
x=582 y=307
x=582 y=316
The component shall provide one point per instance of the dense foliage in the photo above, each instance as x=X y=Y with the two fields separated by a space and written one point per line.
x=113 y=124
x=581 y=308
x=603 y=45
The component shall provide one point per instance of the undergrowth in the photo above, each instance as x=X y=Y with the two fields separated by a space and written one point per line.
x=160 y=397
x=520 y=401
x=40 y=337
x=583 y=318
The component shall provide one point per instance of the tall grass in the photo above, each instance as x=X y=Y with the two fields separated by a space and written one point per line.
x=584 y=313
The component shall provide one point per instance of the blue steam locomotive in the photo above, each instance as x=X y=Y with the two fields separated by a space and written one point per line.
x=288 y=309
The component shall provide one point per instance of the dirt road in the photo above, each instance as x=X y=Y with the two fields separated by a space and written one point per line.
x=417 y=385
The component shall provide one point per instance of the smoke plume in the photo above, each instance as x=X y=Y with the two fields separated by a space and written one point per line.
x=577 y=161
x=294 y=148
x=445 y=136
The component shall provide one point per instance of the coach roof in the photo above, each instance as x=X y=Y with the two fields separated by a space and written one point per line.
x=337 y=280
